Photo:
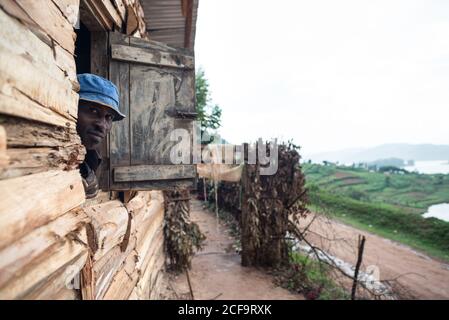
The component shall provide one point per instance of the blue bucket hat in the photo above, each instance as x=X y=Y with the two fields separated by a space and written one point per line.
x=99 y=90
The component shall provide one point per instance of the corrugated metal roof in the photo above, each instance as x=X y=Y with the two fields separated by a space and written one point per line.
x=165 y=21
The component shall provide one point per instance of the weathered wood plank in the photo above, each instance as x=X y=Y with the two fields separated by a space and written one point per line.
x=109 y=223
x=58 y=286
x=87 y=281
x=164 y=185
x=69 y=8
x=24 y=133
x=157 y=287
x=154 y=172
x=60 y=255
x=31 y=201
x=31 y=67
x=22 y=253
x=143 y=56
x=112 y=12
x=108 y=266
x=156 y=45
x=144 y=244
x=14 y=10
x=49 y=18
x=141 y=217
x=20 y=40
x=4 y=159
x=124 y=281
x=19 y=105
x=152 y=91
x=93 y=18
x=119 y=143
x=28 y=161
x=120 y=6
x=151 y=270
x=132 y=23
x=20 y=73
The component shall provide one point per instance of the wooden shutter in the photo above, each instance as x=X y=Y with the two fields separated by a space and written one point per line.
x=157 y=93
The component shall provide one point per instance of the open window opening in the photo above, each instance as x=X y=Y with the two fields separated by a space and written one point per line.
x=83 y=50
x=91 y=57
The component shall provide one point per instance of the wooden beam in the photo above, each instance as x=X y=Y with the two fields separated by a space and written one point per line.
x=143 y=56
x=109 y=222
x=4 y=159
x=188 y=24
x=58 y=256
x=31 y=201
x=93 y=17
x=154 y=172
x=15 y=258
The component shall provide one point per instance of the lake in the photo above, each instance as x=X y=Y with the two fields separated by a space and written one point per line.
x=430 y=167
x=440 y=211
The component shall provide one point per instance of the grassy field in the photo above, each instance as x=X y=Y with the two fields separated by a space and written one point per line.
x=389 y=205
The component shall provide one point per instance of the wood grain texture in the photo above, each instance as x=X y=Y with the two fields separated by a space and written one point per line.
x=154 y=172
x=4 y=158
x=59 y=285
x=119 y=143
x=21 y=254
x=109 y=222
x=142 y=56
x=31 y=201
x=124 y=280
x=160 y=85
x=47 y=15
x=59 y=256
x=22 y=133
x=31 y=68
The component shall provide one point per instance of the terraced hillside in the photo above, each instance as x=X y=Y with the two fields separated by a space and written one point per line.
x=412 y=192
x=384 y=203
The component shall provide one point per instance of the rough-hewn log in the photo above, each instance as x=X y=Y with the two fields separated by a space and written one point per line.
x=108 y=266
x=109 y=223
x=124 y=281
x=62 y=284
x=34 y=160
x=20 y=39
x=32 y=201
x=152 y=268
x=47 y=15
x=59 y=256
x=22 y=133
x=69 y=8
x=22 y=253
x=4 y=159
x=30 y=67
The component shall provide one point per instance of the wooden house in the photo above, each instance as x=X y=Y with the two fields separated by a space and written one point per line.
x=55 y=244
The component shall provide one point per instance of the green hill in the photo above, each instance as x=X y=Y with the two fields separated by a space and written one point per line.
x=388 y=204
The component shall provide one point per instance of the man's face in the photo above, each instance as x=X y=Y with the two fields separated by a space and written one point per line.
x=94 y=123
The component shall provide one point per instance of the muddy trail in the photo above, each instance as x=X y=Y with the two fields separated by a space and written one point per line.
x=421 y=276
x=216 y=271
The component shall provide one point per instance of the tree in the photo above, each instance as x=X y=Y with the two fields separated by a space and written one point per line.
x=208 y=114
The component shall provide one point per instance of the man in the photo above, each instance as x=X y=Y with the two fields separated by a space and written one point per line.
x=98 y=107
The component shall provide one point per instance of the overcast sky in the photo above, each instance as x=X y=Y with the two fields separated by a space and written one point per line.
x=329 y=74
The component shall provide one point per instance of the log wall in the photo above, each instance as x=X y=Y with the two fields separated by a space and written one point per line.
x=53 y=243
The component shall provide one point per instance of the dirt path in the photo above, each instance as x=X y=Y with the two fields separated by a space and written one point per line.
x=216 y=271
x=424 y=277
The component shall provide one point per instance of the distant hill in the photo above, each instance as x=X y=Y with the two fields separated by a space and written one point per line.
x=417 y=152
